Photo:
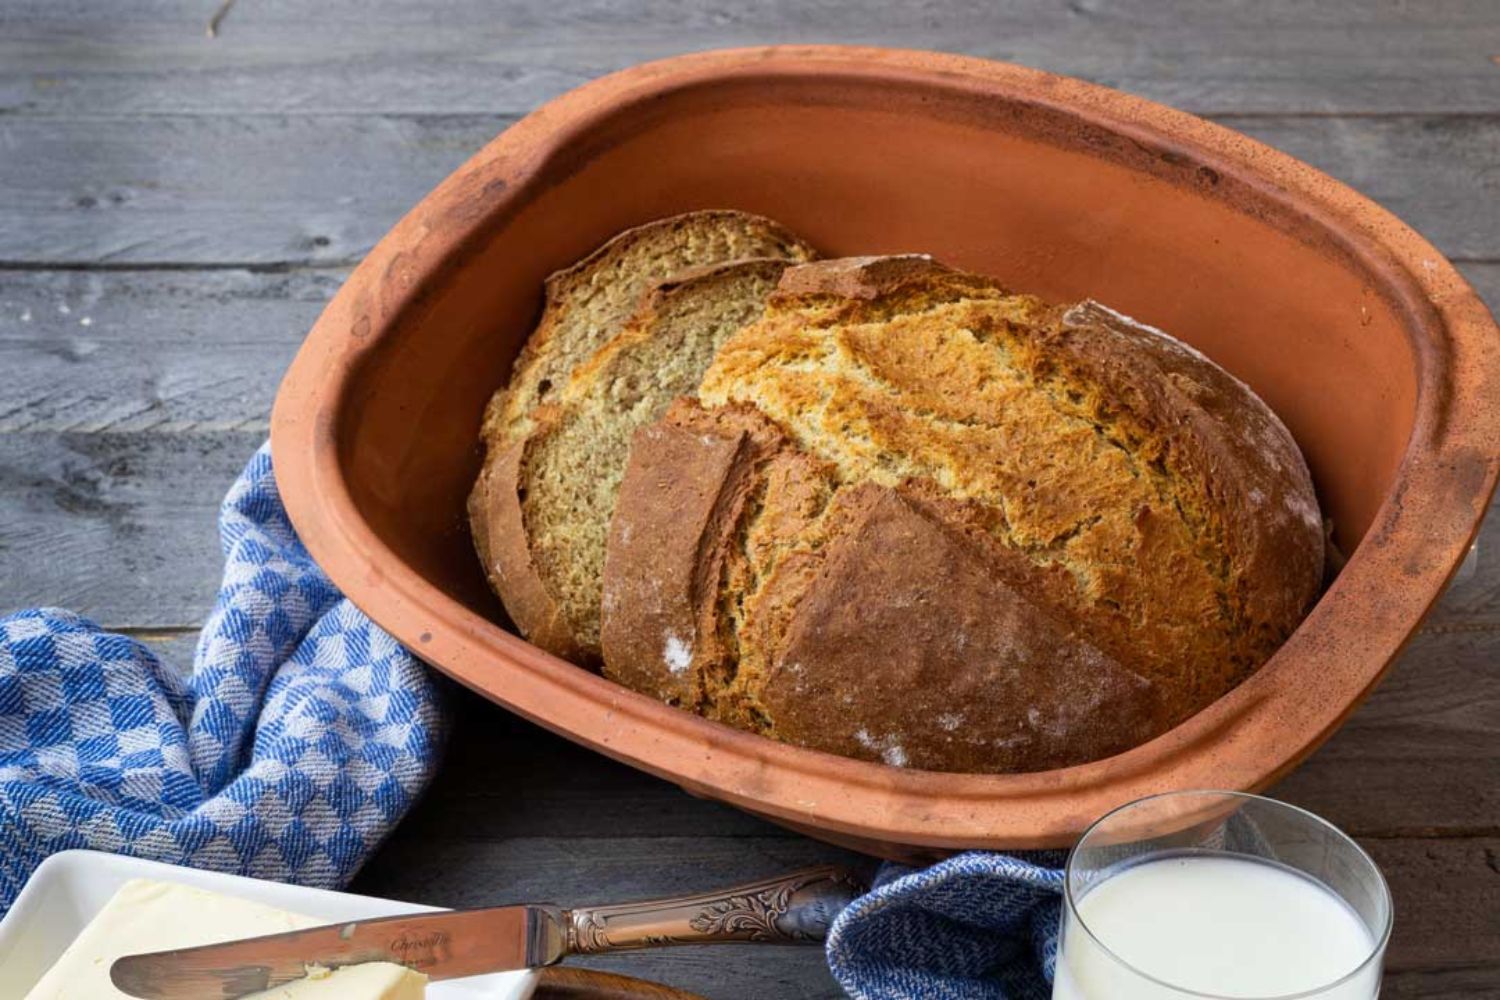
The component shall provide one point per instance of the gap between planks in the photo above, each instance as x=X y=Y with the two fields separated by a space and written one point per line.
x=252 y=267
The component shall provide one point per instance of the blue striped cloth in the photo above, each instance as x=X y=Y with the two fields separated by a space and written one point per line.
x=301 y=737
x=977 y=926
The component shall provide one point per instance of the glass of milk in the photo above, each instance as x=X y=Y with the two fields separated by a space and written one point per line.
x=1220 y=895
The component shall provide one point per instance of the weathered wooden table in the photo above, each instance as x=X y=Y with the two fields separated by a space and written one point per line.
x=175 y=210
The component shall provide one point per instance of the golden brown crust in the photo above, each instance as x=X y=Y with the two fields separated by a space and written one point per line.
x=1077 y=492
x=1262 y=514
x=1102 y=447
x=859 y=278
x=496 y=518
x=826 y=652
x=911 y=647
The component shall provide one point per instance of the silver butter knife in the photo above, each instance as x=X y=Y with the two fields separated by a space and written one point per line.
x=792 y=909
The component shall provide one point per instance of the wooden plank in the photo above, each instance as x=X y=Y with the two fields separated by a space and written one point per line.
x=1454 y=983
x=212 y=190
x=549 y=783
x=1446 y=940
x=280 y=189
x=69 y=57
x=119 y=527
x=161 y=351
x=597 y=867
x=203 y=351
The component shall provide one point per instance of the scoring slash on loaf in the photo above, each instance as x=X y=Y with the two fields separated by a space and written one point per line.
x=919 y=519
x=541 y=508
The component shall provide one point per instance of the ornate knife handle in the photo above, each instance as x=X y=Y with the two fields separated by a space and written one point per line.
x=792 y=909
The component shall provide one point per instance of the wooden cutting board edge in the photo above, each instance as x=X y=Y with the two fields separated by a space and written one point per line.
x=563 y=983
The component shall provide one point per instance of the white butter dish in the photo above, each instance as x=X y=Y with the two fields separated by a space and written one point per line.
x=68 y=889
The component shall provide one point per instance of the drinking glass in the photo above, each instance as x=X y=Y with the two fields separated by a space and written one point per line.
x=1220 y=895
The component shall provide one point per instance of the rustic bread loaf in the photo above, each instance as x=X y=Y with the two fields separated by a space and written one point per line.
x=921 y=520
x=540 y=510
x=588 y=303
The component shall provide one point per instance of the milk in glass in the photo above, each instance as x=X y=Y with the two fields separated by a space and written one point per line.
x=1217 y=925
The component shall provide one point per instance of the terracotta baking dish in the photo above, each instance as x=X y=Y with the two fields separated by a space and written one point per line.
x=1379 y=357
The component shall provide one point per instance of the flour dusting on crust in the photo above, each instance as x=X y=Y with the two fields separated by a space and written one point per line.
x=889 y=748
x=1078 y=315
x=676 y=654
x=950 y=721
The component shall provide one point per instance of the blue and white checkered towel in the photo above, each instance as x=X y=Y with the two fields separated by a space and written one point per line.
x=301 y=738
x=305 y=733
x=974 y=927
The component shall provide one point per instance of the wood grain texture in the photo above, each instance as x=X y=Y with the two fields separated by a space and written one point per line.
x=175 y=211
x=1446 y=941
x=275 y=189
x=118 y=527
x=169 y=352
x=237 y=189
x=567 y=983
x=67 y=57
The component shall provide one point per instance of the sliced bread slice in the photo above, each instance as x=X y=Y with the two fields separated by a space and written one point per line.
x=541 y=509
x=588 y=303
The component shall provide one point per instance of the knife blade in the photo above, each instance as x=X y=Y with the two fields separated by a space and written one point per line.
x=443 y=945
x=796 y=908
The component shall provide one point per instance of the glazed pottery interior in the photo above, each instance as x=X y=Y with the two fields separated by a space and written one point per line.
x=1371 y=348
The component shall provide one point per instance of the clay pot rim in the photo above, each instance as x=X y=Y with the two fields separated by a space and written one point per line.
x=1244 y=741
